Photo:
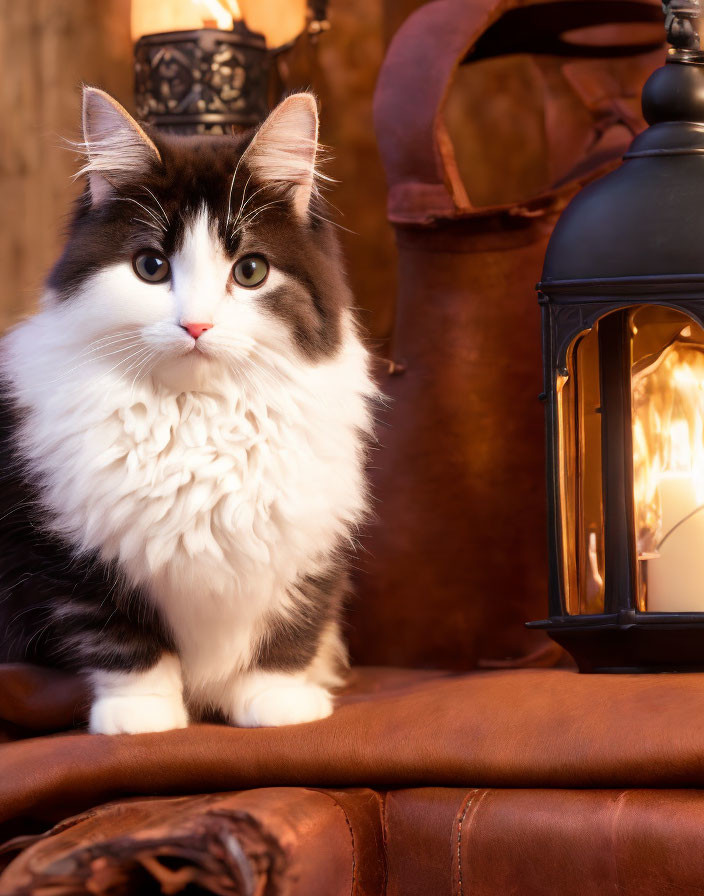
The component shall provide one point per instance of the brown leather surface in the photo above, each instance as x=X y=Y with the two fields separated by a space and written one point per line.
x=455 y=560
x=533 y=842
x=428 y=840
x=36 y=699
x=506 y=728
x=291 y=841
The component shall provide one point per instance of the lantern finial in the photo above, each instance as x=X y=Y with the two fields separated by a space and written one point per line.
x=681 y=17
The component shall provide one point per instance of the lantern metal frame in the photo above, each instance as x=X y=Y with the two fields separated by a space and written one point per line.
x=627 y=240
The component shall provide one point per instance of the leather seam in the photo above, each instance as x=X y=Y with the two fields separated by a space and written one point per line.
x=618 y=809
x=353 y=888
x=468 y=804
x=384 y=839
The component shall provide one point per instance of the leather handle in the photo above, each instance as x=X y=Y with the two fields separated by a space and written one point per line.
x=424 y=180
x=410 y=93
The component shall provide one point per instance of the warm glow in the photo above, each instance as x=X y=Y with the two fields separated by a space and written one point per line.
x=149 y=17
x=278 y=20
x=221 y=12
x=668 y=436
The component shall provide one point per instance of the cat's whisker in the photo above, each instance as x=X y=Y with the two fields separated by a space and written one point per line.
x=250 y=378
x=229 y=198
x=148 y=224
x=99 y=352
x=134 y=364
x=256 y=212
x=115 y=384
x=109 y=336
x=120 y=333
x=270 y=366
x=152 y=214
x=123 y=361
x=255 y=193
x=161 y=207
x=242 y=377
x=250 y=357
x=146 y=373
x=143 y=368
x=259 y=374
x=100 y=344
x=239 y=213
x=333 y=223
x=67 y=373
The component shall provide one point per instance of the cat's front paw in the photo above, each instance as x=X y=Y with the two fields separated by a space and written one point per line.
x=136 y=714
x=263 y=701
x=140 y=701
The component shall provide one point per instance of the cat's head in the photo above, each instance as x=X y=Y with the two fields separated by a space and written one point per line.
x=191 y=255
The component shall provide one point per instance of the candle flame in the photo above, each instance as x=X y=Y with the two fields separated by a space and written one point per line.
x=668 y=432
x=219 y=12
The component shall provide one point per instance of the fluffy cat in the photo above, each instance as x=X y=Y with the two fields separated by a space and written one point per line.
x=183 y=432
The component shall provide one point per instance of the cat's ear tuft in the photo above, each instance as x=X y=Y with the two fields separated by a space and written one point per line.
x=117 y=148
x=283 y=151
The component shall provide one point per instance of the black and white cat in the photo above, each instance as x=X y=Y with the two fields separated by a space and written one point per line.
x=183 y=432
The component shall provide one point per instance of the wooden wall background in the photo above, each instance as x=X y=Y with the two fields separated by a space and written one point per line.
x=49 y=47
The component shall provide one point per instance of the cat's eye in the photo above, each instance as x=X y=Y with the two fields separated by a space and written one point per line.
x=151 y=267
x=251 y=271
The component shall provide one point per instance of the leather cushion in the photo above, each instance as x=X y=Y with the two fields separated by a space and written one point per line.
x=275 y=840
x=429 y=840
x=485 y=842
x=392 y=729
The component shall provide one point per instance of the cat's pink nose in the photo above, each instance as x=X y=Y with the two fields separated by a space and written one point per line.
x=196 y=330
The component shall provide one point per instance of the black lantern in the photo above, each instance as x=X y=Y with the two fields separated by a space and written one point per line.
x=622 y=298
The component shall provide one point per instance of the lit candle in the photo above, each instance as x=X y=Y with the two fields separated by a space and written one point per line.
x=676 y=573
x=668 y=446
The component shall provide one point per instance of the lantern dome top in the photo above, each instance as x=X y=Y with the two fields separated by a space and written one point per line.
x=646 y=218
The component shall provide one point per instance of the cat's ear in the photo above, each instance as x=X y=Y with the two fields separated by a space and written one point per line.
x=284 y=148
x=116 y=147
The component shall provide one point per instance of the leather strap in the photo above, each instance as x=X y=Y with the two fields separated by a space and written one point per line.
x=424 y=180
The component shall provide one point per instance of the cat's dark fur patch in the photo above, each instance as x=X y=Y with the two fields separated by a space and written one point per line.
x=57 y=608
x=291 y=642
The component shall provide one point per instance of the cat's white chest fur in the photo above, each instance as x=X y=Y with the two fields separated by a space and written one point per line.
x=216 y=501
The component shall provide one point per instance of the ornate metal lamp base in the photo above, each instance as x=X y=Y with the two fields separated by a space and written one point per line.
x=202 y=82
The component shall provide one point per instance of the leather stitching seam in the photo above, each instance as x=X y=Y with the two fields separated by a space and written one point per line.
x=470 y=800
x=385 y=840
x=349 y=826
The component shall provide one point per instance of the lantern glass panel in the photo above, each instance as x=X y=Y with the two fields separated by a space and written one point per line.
x=667 y=385
x=580 y=468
